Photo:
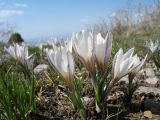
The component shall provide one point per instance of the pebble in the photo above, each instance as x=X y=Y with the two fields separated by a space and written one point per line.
x=149 y=72
x=146 y=90
x=152 y=80
x=147 y=114
x=41 y=67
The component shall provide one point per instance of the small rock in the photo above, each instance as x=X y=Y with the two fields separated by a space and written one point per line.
x=149 y=72
x=152 y=80
x=87 y=99
x=147 y=114
x=146 y=90
x=40 y=68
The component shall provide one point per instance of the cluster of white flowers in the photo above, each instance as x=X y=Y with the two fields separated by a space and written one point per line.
x=92 y=49
x=20 y=53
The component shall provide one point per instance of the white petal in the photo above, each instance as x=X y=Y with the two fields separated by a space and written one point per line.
x=100 y=48
x=83 y=44
x=69 y=45
x=70 y=63
x=117 y=62
x=132 y=60
x=128 y=54
x=124 y=68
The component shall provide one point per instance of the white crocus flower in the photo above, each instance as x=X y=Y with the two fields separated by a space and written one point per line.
x=103 y=50
x=122 y=64
x=84 y=46
x=62 y=60
x=153 y=46
x=20 y=53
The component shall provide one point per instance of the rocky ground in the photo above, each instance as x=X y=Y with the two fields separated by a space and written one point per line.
x=145 y=101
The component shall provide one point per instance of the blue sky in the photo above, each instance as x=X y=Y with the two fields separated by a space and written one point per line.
x=36 y=19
